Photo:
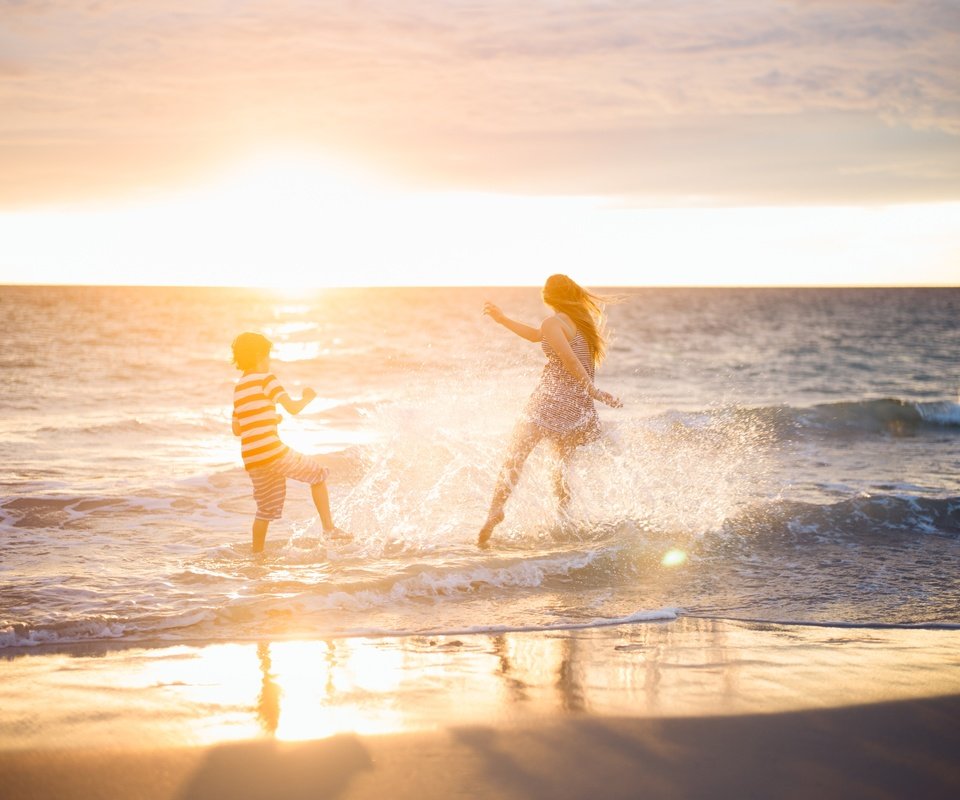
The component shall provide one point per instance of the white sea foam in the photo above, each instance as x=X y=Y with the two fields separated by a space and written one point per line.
x=940 y=413
x=659 y=615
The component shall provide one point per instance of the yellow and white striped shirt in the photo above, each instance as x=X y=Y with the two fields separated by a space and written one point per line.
x=255 y=407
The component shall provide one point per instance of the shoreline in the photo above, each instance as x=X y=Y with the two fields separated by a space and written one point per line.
x=105 y=646
x=689 y=707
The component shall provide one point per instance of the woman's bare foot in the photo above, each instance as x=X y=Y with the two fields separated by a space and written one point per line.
x=494 y=519
x=337 y=534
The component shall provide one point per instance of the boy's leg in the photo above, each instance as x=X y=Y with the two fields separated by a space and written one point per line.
x=321 y=499
x=269 y=492
x=259 y=534
x=308 y=469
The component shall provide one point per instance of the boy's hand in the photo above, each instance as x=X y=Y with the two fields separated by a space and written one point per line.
x=309 y=394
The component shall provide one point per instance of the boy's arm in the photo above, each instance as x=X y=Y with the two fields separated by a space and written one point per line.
x=275 y=393
x=296 y=406
x=236 y=424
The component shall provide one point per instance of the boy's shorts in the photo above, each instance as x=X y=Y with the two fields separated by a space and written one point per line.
x=270 y=482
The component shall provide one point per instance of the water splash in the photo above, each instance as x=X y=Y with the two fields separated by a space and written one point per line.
x=428 y=478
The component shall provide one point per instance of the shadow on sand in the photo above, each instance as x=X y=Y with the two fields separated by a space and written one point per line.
x=267 y=770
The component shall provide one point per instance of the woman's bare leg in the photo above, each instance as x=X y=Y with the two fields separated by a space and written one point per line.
x=525 y=437
x=566 y=446
x=561 y=488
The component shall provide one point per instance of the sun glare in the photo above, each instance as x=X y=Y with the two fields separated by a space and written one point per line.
x=292 y=222
x=674 y=558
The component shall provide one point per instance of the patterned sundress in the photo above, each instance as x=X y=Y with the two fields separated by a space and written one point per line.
x=560 y=404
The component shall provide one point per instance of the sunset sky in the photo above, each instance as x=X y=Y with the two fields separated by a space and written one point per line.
x=313 y=142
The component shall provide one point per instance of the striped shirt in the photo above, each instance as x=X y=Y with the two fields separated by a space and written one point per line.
x=255 y=407
x=560 y=403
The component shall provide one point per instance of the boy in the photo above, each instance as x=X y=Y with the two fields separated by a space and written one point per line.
x=269 y=462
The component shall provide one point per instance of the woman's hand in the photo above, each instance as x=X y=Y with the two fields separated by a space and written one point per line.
x=610 y=400
x=493 y=311
x=606 y=398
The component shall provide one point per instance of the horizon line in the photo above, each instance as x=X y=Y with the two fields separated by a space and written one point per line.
x=25 y=284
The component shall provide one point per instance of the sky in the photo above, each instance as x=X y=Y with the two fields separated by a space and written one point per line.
x=330 y=142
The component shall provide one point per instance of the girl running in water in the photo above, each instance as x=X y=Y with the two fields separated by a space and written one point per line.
x=561 y=408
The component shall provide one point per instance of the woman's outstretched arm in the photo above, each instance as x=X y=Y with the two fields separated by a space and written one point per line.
x=526 y=331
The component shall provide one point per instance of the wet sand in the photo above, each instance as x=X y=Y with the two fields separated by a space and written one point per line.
x=692 y=708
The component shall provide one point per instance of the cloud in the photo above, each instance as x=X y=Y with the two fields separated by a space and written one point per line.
x=746 y=101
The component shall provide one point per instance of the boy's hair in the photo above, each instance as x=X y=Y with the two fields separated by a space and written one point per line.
x=249 y=348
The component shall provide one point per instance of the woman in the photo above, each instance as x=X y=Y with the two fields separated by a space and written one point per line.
x=561 y=408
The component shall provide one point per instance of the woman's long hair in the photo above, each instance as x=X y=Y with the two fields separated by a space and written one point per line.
x=584 y=308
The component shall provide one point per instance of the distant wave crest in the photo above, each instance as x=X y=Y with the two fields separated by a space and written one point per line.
x=887 y=416
x=897 y=417
x=856 y=517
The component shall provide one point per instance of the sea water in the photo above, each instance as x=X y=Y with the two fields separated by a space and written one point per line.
x=782 y=455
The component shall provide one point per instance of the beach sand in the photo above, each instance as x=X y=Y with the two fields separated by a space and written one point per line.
x=690 y=708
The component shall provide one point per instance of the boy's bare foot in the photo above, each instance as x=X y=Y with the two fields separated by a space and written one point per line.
x=337 y=534
x=487 y=530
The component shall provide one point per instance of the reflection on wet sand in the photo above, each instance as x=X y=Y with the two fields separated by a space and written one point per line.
x=516 y=688
x=569 y=686
x=268 y=703
x=314 y=689
x=300 y=690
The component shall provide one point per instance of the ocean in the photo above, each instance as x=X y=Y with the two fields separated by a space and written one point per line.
x=783 y=455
